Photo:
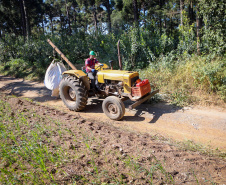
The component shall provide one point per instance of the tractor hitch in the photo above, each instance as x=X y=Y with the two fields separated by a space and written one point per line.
x=142 y=100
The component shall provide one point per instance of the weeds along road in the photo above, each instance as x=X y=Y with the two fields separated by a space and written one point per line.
x=206 y=126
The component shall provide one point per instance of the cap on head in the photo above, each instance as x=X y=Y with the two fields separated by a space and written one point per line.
x=92 y=53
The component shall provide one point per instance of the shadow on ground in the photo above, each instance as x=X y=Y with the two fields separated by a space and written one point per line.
x=19 y=87
x=153 y=110
x=40 y=93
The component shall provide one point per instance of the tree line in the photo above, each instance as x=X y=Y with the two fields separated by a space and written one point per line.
x=178 y=44
x=184 y=26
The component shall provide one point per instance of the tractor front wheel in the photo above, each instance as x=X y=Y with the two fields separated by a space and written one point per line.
x=73 y=93
x=113 y=107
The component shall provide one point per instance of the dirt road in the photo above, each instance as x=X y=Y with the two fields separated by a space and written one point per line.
x=206 y=126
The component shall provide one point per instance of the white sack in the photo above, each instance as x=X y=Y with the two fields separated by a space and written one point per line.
x=53 y=77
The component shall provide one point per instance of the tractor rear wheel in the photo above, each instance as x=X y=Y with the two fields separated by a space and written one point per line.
x=113 y=107
x=73 y=93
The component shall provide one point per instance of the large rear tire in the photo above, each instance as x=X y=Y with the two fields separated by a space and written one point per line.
x=113 y=107
x=73 y=93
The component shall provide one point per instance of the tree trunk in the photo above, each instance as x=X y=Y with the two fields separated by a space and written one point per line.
x=135 y=12
x=109 y=15
x=164 y=22
x=51 y=22
x=23 y=19
x=61 y=24
x=74 y=19
x=26 y=20
x=160 y=16
x=181 y=11
x=197 y=32
x=43 y=25
x=86 y=25
x=191 y=12
x=95 y=18
x=68 y=17
x=144 y=9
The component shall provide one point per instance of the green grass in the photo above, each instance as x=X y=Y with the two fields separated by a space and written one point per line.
x=24 y=156
x=34 y=150
x=196 y=147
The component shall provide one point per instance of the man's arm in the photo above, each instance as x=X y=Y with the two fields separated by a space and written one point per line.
x=97 y=62
x=88 y=68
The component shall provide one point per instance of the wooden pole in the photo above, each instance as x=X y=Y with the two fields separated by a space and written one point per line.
x=119 y=57
x=61 y=55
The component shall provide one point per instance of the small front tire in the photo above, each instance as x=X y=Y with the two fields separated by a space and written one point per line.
x=113 y=107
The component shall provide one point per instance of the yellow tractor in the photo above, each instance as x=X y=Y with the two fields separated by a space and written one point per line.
x=115 y=85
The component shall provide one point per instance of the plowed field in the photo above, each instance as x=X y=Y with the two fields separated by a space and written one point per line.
x=136 y=150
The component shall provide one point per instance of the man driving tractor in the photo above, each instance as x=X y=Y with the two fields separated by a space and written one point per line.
x=116 y=87
x=90 y=69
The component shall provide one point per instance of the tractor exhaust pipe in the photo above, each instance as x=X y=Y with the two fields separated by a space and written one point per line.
x=119 y=56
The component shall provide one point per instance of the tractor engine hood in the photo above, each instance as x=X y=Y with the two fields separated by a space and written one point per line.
x=117 y=75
